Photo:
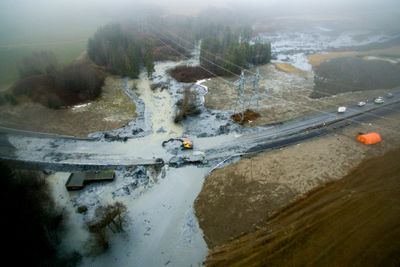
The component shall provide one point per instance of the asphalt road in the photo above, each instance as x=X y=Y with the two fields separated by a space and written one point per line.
x=65 y=153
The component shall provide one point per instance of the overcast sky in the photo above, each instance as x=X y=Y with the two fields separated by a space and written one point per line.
x=195 y=5
x=19 y=17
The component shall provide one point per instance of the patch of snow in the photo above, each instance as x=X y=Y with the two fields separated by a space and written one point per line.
x=298 y=60
x=323 y=29
x=76 y=107
x=314 y=41
x=390 y=60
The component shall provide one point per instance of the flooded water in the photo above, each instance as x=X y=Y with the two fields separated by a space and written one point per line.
x=159 y=109
x=162 y=228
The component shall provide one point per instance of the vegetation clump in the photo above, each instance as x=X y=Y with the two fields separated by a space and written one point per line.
x=225 y=51
x=186 y=106
x=121 y=51
x=38 y=63
x=111 y=217
x=33 y=224
x=8 y=98
x=44 y=82
x=125 y=50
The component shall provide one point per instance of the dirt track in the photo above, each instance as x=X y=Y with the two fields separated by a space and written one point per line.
x=352 y=222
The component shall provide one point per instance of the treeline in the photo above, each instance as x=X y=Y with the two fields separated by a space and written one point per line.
x=46 y=81
x=225 y=50
x=125 y=50
x=121 y=53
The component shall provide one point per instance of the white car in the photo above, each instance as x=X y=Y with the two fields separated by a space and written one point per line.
x=361 y=104
x=341 y=109
x=379 y=100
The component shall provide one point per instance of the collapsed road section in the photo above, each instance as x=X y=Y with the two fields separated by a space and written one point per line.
x=70 y=154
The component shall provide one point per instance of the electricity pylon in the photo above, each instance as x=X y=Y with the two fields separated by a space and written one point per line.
x=240 y=103
x=256 y=87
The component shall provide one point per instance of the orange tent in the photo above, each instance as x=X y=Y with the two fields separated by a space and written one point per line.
x=369 y=138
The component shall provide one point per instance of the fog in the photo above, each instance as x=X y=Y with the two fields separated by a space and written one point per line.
x=50 y=24
x=43 y=10
x=20 y=17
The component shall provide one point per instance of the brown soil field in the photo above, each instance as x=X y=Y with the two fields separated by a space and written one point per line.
x=283 y=95
x=242 y=197
x=189 y=74
x=111 y=110
x=351 y=222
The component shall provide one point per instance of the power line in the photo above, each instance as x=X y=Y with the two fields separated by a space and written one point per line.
x=287 y=101
x=254 y=73
x=229 y=62
x=186 y=48
x=232 y=63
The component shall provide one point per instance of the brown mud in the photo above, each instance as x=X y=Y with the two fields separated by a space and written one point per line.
x=248 y=117
x=189 y=74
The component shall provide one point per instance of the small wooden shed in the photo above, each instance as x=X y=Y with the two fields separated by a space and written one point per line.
x=78 y=180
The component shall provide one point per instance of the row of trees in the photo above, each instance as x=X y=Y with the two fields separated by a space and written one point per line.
x=232 y=50
x=121 y=51
x=124 y=51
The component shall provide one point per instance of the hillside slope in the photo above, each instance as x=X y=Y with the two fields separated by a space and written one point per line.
x=352 y=222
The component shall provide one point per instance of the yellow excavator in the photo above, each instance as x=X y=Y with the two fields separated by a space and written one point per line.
x=186 y=143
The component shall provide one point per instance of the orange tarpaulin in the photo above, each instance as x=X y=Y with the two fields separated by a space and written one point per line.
x=369 y=138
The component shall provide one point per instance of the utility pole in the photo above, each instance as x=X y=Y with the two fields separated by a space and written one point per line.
x=240 y=103
x=256 y=87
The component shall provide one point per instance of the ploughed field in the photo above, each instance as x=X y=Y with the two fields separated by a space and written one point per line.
x=351 y=222
x=242 y=197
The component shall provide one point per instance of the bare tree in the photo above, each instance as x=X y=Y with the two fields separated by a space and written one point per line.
x=80 y=81
x=187 y=105
x=38 y=63
x=110 y=217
